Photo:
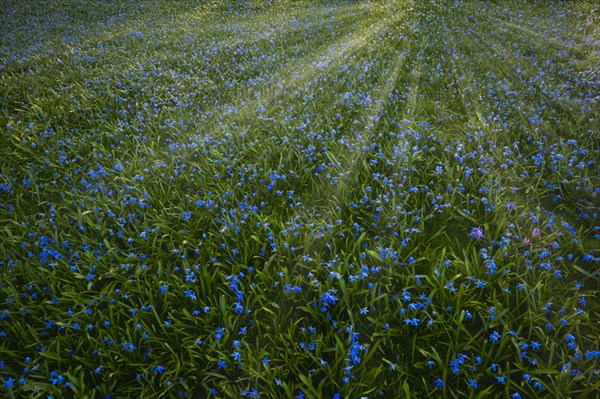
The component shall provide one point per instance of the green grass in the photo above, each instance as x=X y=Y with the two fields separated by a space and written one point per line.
x=299 y=199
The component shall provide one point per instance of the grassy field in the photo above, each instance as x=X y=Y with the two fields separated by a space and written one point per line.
x=309 y=199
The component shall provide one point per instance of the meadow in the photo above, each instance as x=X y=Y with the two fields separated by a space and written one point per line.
x=299 y=199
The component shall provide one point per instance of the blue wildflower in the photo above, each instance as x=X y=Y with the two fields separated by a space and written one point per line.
x=494 y=337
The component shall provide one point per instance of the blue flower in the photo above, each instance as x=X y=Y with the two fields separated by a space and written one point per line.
x=221 y=364
x=494 y=337
x=186 y=216
x=329 y=298
x=163 y=289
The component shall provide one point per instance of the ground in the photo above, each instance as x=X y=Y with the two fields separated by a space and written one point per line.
x=299 y=199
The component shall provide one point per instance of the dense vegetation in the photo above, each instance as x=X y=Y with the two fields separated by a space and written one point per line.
x=299 y=199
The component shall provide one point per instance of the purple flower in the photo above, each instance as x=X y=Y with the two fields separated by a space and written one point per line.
x=476 y=233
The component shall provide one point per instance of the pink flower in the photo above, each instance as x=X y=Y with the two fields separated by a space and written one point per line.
x=535 y=233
